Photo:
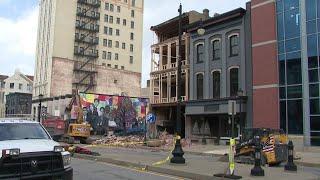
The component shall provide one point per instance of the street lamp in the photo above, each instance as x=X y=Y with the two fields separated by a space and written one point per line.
x=178 y=152
x=39 y=108
x=201 y=30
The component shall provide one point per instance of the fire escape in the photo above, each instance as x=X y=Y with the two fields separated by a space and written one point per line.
x=86 y=45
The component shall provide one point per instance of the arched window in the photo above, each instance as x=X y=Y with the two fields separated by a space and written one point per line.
x=234 y=81
x=216 y=84
x=234 y=45
x=200 y=53
x=216 y=50
x=200 y=86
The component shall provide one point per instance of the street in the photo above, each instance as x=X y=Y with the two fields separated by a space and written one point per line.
x=86 y=170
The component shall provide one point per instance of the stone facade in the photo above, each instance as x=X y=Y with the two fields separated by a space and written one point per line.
x=207 y=110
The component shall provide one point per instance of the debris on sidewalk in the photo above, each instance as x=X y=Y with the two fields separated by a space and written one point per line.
x=122 y=141
x=164 y=140
x=80 y=150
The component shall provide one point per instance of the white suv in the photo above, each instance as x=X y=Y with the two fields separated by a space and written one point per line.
x=28 y=152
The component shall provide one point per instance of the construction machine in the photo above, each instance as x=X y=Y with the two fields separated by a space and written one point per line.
x=273 y=141
x=77 y=129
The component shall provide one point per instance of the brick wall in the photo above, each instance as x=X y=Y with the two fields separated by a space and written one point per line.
x=265 y=64
x=109 y=81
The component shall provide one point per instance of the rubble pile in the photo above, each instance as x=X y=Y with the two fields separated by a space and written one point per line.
x=121 y=141
x=169 y=140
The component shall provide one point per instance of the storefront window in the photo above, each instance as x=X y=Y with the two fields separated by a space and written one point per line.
x=294 y=91
x=295 y=117
x=314 y=90
x=314 y=106
x=283 y=115
x=294 y=72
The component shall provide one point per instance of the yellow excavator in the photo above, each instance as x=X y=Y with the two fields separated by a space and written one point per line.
x=77 y=128
x=273 y=141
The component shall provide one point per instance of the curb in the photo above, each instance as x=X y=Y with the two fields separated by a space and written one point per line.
x=307 y=164
x=139 y=166
x=300 y=163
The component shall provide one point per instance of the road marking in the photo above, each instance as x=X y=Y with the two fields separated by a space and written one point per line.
x=138 y=170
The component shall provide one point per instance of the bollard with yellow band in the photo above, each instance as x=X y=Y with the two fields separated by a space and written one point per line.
x=177 y=153
x=231 y=155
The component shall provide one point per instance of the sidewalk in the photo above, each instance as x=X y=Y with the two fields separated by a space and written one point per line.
x=197 y=166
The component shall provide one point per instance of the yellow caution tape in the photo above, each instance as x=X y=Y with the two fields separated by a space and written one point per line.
x=168 y=157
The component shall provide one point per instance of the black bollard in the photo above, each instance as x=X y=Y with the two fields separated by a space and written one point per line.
x=178 y=153
x=290 y=166
x=257 y=170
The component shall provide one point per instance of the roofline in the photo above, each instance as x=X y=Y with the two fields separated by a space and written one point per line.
x=239 y=12
x=154 y=28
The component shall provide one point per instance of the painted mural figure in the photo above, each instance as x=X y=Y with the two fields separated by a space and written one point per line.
x=119 y=113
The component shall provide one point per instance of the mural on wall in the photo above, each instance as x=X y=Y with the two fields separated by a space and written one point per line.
x=120 y=113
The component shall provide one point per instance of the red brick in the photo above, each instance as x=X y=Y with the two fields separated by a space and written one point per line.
x=266 y=108
x=265 y=65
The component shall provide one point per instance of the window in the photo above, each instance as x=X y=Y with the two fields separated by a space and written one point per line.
x=294 y=72
x=111 y=19
x=118 y=20
x=20 y=86
x=131 y=59
x=107 y=6
x=122 y=67
x=106 y=18
x=295 y=117
x=118 y=9
x=133 y=3
x=105 y=30
x=126 y=1
x=110 y=31
x=110 y=43
x=123 y=45
x=117 y=32
x=216 y=49
x=131 y=36
x=200 y=86
x=104 y=55
x=3 y=84
x=109 y=55
x=216 y=84
x=117 y=44
x=111 y=7
x=109 y=65
x=116 y=56
x=131 y=47
x=116 y=66
x=124 y=22
x=200 y=53
x=132 y=13
x=292 y=23
x=132 y=24
x=234 y=81
x=11 y=85
x=105 y=42
x=234 y=45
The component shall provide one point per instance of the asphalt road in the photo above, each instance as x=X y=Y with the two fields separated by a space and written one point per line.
x=87 y=170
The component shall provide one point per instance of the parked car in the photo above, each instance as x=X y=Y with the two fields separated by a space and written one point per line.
x=28 y=152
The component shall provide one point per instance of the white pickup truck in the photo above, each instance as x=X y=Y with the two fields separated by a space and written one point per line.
x=28 y=152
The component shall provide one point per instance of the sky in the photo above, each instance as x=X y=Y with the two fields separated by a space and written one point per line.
x=19 y=22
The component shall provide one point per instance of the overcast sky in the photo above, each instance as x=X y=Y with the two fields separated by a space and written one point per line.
x=19 y=18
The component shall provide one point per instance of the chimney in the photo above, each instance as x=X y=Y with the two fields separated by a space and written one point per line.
x=206 y=14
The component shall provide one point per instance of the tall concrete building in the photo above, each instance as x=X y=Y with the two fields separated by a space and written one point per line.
x=90 y=45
